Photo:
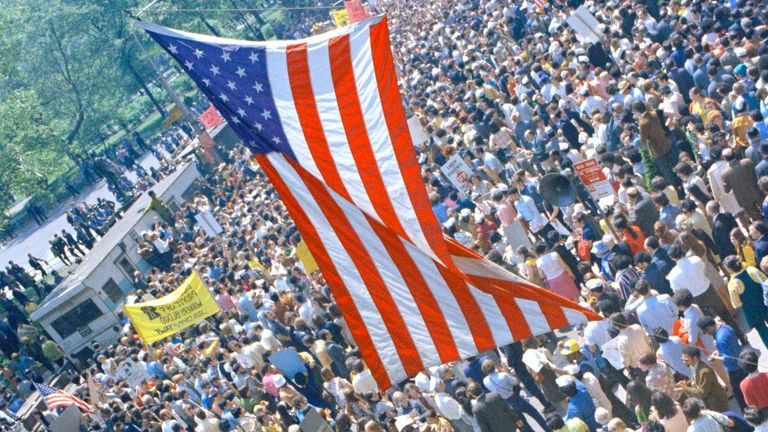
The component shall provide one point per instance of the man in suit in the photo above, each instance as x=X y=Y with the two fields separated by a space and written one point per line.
x=740 y=176
x=642 y=210
x=653 y=136
x=493 y=414
x=703 y=383
x=722 y=225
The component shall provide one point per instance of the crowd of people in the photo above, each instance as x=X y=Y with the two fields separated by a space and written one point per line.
x=670 y=102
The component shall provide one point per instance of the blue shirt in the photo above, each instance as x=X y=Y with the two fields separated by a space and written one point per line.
x=668 y=214
x=581 y=406
x=728 y=346
x=155 y=368
x=441 y=212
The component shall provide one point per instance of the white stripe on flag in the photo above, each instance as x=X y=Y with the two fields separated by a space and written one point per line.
x=449 y=307
x=536 y=320
x=277 y=71
x=381 y=143
x=333 y=127
x=353 y=281
x=493 y=316
x=395 y=284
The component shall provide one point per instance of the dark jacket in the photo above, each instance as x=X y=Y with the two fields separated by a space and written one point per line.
x=722 y=225
x=740 y=176
x=644 y=214
x=493 y=414
x=657 y=271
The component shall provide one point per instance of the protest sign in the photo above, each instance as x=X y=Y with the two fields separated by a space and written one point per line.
x=208 y=223
x=594 y=179
x=67 y=421
x=288 y=362
x=459 y=174
x=340 y=18
x=418 y=134
x=306 y=258
x=132 y=372
x=185 y=306
x=314 y=423
x=585 y=25
x=355 y=10
x=210 y=118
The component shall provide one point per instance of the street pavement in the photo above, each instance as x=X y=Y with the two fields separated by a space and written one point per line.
x=34 y=239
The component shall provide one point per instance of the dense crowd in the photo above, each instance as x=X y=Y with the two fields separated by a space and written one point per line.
x=671 y=102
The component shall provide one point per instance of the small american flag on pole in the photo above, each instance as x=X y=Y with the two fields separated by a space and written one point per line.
x=57 y=398
x=324 y=117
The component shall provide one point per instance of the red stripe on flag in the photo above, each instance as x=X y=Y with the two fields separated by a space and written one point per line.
x=357 y=134
x=481 y=332
x=456 y=248
x=306 y=108
x=335 y=283
x=425 y=300
x=377 y=288
x=402 y=142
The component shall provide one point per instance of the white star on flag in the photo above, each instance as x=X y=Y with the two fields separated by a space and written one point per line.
x=241 y=112
x=215 y=70
x=254 y=57
x=259 y=87
x=258 y=126
x=240 y=72
x=267 y=114
x=188 y=64
x=224 y=97
x=173 y=48
x=276 y=140
x=207 y=82
x=249 y=100
x=231 y=85
x=198 y=53
x=225 y=56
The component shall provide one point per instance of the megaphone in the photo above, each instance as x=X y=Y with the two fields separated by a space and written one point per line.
x=557 y=189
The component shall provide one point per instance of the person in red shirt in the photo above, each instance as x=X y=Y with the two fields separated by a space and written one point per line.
x=755 y=386
x=630 y=234
x=484 y=229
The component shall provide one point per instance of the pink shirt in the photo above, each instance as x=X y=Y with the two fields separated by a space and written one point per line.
x=225 y=301
x=506 y=213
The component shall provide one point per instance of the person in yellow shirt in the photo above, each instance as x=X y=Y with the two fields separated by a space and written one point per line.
x=744 y=249
x=746 y=291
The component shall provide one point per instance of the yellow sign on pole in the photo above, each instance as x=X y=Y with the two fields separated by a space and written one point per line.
x=341 y=18
x=173 y=115
x=306 y=258
x=186 y=305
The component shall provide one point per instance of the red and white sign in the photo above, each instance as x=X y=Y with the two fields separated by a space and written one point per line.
x=594 y=179
x=355 y=11
x=210 y=118
x=459 y=173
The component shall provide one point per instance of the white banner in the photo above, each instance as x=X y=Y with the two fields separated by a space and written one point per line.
x=585 y=25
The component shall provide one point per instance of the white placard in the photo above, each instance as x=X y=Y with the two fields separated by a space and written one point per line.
x=584 y=24
x=134 y=373
x=418 y=134
x=459 y=174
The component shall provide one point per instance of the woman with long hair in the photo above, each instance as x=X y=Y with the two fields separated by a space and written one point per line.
x=744 y=249
x=669 y=413
x=640 y=396
x=551 y=267
x=630 y=234
x=528 y=268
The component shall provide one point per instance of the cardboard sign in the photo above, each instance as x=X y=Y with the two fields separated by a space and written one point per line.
x=459 y=174
x=314 y=423
x=134 y=373
x=585 y=25
x=418 y=134
x=306 y=258
x=67 y=421
x=288 y=362
x=594 y=179
x=355 y=10
x=208 y=223
x=173 y=115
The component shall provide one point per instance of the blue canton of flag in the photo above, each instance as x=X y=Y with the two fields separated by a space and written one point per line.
x=235 y=79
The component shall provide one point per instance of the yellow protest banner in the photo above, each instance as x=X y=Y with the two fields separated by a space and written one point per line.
x=341 y=18
x=302 y=251
x=185 y=306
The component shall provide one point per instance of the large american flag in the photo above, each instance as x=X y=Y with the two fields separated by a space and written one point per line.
x=326 y=122
x=57 y=398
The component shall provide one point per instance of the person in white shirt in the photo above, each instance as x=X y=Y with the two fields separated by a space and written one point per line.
x=652 y=310
x=498 y=381
x=448 y=407
x=701 y=420
x=689 y=274
x=631 y=341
